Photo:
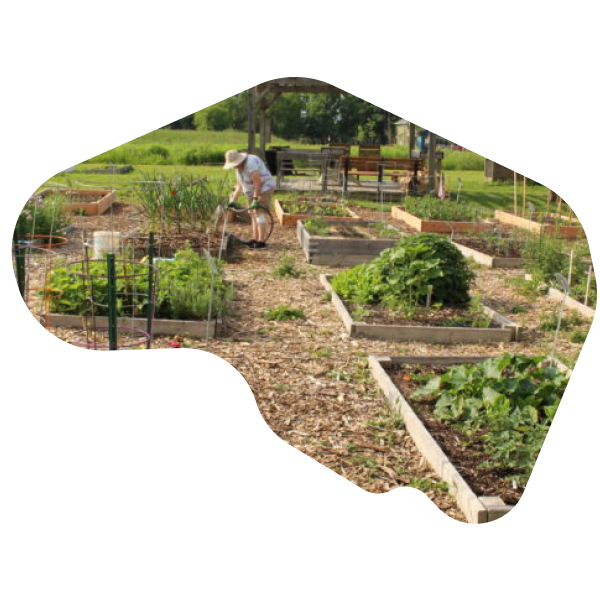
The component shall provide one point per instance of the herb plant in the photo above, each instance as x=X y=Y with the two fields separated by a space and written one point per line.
x=183 y=289
x=44 y=216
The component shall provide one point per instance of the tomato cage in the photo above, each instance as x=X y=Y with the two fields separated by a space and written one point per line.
x=33 y=260
x=113 y=299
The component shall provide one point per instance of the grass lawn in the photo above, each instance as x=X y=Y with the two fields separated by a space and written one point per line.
x=478 y=190
x=166 y=152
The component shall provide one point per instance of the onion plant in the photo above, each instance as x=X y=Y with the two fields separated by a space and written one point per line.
x=181 y=202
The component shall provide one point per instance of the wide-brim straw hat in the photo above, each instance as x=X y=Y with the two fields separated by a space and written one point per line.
x=233 y=158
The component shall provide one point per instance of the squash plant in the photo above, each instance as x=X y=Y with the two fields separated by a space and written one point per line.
x=507 y=403
x=401 y=277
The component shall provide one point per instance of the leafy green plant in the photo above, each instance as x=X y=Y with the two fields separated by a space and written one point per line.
x=475 y=317
x=303 y=207
x=508 y=403
x=385 y=230
x=361 y=313
x=287 y=268
x=316 y=226
x=44 y=216
x=579 y=337
x=495 y=243
x=284 y=312
x=435 y=209
x=544 y=256
x=183 y=289
x=403 y=276
x=567 y=323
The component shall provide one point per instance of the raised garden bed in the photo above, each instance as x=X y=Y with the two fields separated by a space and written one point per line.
x=427 y=226
x=289 y=212
x=88 y=202
x=345 y=244
x=502 y=329
x=192 y=329
x=181 y=300
x=580 y=307
x=551 y=224
x=477 y=250
x=572 y=303
x=484 y=492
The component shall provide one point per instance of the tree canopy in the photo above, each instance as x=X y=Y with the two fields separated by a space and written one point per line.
x=313 y=118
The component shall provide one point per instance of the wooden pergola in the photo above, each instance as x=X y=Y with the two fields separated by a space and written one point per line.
x=262 y=96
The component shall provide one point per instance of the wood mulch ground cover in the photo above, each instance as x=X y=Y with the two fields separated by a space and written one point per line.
x=311 y=381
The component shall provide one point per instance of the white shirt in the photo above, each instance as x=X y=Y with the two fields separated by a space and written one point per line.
x=244 y=178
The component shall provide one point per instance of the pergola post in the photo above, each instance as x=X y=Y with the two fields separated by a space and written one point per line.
x=262 y=96
x=267 y=97
x=252 y=120
x=262 y=127
x=431 y=162
x=412 y=138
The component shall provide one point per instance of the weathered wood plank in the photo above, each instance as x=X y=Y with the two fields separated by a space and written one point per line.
x=193 y=329
x=507 y=332
x=563 y=231
x=473 y=508
x=424 y=226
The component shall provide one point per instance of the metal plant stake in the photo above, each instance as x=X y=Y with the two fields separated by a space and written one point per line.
x=564 y=285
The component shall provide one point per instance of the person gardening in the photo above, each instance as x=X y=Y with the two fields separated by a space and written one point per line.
x=257 y=183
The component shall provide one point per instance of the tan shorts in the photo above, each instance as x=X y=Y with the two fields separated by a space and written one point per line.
x=265 y=199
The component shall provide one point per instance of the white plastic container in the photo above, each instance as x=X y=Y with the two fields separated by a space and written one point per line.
x=106 y=242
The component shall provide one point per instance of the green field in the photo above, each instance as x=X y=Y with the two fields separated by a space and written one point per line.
x=194 y=147
x=168 y=152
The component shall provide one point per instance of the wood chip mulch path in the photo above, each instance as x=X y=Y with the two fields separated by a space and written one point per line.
x=312 y=383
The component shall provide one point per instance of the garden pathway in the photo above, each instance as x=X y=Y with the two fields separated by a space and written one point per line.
x=312 y=383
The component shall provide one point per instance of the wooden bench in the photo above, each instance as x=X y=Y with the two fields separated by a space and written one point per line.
x=381 y=167
x=394 y=168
